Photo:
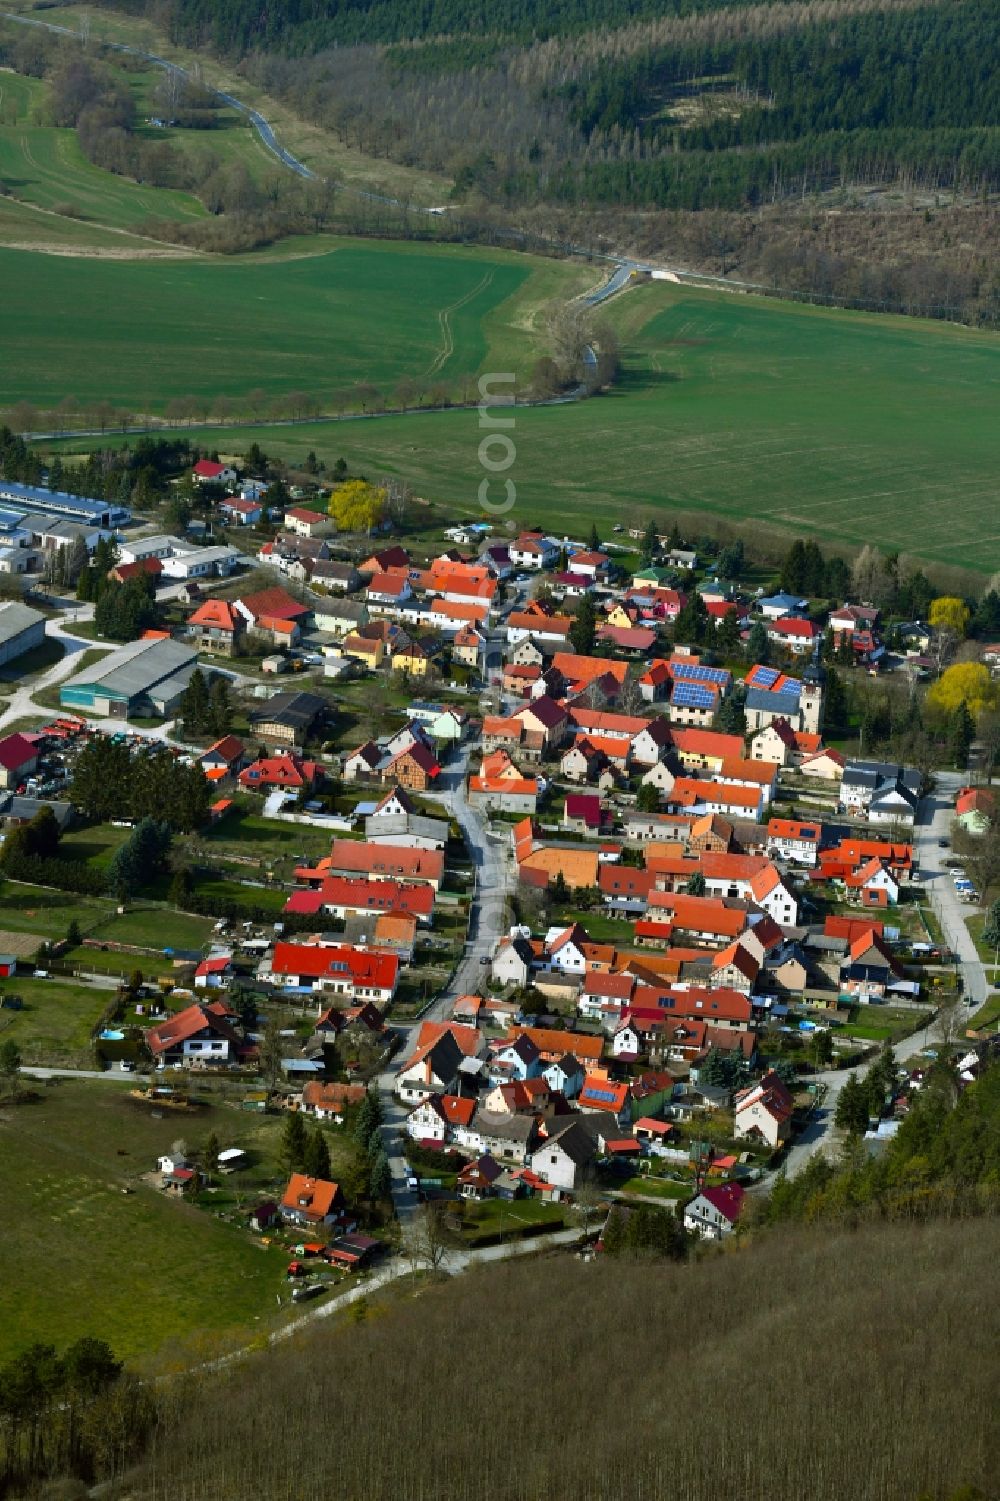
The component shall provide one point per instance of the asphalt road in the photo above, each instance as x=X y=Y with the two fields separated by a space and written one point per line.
x=257 y=120
x=934 y=824
x=624 y=266
x=487 y=917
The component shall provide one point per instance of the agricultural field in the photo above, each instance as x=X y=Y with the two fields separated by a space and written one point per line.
x=43 y=166
x=850 y=428
x=165 y=1271
x=330 y=313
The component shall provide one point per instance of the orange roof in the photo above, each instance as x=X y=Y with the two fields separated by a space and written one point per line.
x=469 y=1039
x=498 y=724
x=591 y=720
x=151 y=635
x=700 y=914
x=385 y=859
x=706 y=743
x=557 y=1043
x=687 y=791
x=611 y=746
x=579 y=867
x=461 y=610
x=397 y=927
x=585 y=669
x=791 y=828
x=534 y=621
x=523 y=786
x=313 y=1197
x=762 y=772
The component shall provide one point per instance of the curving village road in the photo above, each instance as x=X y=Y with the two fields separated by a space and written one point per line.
x=487 y=923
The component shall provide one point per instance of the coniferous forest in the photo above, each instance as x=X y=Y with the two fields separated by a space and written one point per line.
x=845 y=150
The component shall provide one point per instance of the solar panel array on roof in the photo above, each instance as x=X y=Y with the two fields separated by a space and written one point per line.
x=693 y=695
x=607 y=1095
x=703 y=674
x=764 y=677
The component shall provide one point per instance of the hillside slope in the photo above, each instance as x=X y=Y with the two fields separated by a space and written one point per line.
x=816 y=1365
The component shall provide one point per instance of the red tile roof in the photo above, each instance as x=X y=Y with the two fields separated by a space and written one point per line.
x=274 y=603
x=727 y=1198
x=366 y=967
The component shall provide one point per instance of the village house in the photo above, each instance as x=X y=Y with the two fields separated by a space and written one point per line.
x=565 y=1156
x=714 y=1211
x=202 y=1034
x=308 y=523
x=763 y=1112
x=533 y=551
x=310 y=1202
x=790 y=839
x=272 y=615
x=353 y=974
x=216 y=627
x=882 y=792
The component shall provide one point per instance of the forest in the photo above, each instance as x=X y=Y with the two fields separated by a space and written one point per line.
x=689 y=105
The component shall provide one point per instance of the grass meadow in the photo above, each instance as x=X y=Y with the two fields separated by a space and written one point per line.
x=136 y=1269
x=43 y=166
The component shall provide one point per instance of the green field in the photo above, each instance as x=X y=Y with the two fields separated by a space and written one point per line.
x=141 y=332
x=55 y=1022
x=43 y=166
x=39 y=909
x=137 y=1270
x=848 y=427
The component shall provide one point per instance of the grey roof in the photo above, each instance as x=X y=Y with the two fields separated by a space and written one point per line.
x=880 y=774
x=896 y=792
x=171 y=688
x=386 y=825
x=15 y=618
x=577 y=1139
x=343 y=609
x=26 y=808
x=295 y=709
x=49 y=500
x=519 y=1128
x=136 y=668
x=772 y=703
x=825 y=943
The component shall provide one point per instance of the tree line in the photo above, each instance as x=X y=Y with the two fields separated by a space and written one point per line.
x=110 y=782
x=944 y=1159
